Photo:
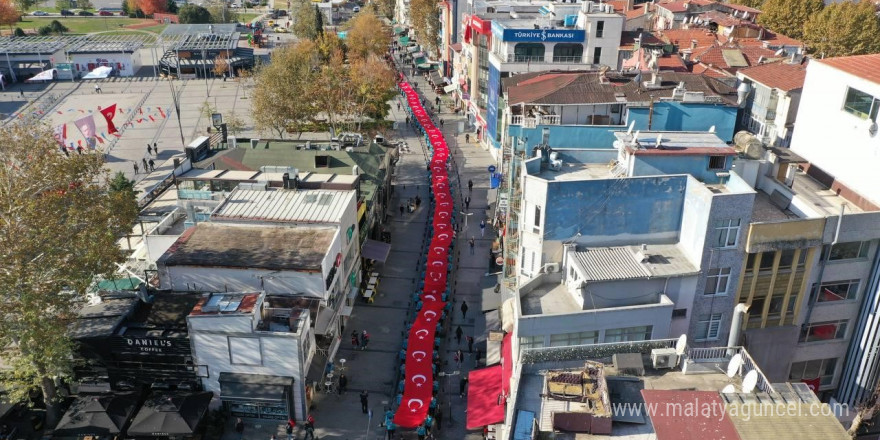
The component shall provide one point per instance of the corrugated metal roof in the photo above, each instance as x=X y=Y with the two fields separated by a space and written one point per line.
x=309 y=206
x=803 y=421
x=624 y=262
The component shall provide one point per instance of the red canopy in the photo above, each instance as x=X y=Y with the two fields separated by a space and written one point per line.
x=484 y=404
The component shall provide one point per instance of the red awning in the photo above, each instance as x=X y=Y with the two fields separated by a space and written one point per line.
x=485 y=402
x=506 y=362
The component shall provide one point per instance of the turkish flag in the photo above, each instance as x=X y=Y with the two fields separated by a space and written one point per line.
x=108 y=113
x=813 y=384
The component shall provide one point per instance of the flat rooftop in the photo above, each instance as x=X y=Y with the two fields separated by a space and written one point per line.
x=257 y=247
x=553 y=298
x=807 y=195
x=674 y=143
x=281 y=205
x=632 y=262
x=225 y=303
x=571 y=171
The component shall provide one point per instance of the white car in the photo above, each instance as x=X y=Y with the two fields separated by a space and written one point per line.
x=40 y=13
x=356 y=9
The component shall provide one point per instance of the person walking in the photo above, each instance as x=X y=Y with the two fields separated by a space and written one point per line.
x=462 y=384
x=21 y=93
x=273 y=437
x=401 y=209
x=146 y=167
x=467 y=138
x=470 y=342
x=239 y=428
x=343 y=383
x=482 y=228
x=155 y=148
x=458 y=333
x=471 y=244
x=152 y=165
x=289 y=429
x=149 y=149
x=470 y=185
x=355 y=343
x=437 y=100
x=477 y=358
x=464 y=309
x=79 y=150
x=441 y=120
x=97 y=88
x=135 y=168
x=365 y=339
x=310 y=428
x=467 y=202
x=364 y=401
x=459 y=357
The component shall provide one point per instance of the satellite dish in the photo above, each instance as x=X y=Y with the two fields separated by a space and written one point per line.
x=659 y=141
x=681 y=345
x=735 y=364
x=728 y=389
x=631 y=126
x=712 y=129
x=635 y=139
x=750 y=381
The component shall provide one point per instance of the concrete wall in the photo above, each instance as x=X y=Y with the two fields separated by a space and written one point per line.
x=854 y=159
x=127 y=64
x=697 y=166
x=677 y=116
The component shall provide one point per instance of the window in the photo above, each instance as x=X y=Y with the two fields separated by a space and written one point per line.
x=642 y=333
x=726 y=233
x=861 y=104
x=597 y=55
x=717 y=162
x=806 y=370
x=528 y=52
x=679 y=313
x=245 y=351
x=600 y=28
x=785 y=260
x=537 y=216
x=776 y=304
x=581 y=338
x=568 y=52
x=716 y=281
x=838 y=291
x=849 y=251
x=823 y=331
x=708 y=327
x=531 y=342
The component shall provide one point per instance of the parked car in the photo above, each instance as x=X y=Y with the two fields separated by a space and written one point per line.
x=356 y=9
x=84 y=14
x=40 y=13
x=66 y=13
x=105 y=13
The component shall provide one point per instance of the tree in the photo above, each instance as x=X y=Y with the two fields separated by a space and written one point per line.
x=234 y=124
x=84 y=4
x=151 y=7
x=24 y=5
x=8 y=14
x=60 y=227
x=332 y=90
x=750 y=3
x=788 y=17
x=55 y=27
x=425 y=17
x=366 y=36
x=193 y=14
x=171 y=7
x=221 y=14
x=221 y=64
x=122 y=186
x=319 y=22
x=19 y=32
x=386 y=8
x=843 y=29
x=304 y=23
x=327 y=45
x=280 y=97
x=372 y=82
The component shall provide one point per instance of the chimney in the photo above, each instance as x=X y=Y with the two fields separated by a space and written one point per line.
x=693 y=44
x=629 y=5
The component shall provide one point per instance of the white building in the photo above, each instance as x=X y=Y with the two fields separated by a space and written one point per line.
x=774 y=93
x=254 y=352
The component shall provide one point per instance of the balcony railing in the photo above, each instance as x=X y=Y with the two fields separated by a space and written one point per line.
x=560 y=59
x=533 y=121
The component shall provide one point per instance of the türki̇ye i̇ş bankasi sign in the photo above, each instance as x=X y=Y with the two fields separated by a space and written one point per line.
x=544 y=35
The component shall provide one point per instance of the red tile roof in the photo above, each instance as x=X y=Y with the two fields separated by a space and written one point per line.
x=683 y=37
x=751 y=11
x=715 y=56
x=619 y=5
x=674 y=7
x=708 y=420
x=862 y=66
x=782 y=75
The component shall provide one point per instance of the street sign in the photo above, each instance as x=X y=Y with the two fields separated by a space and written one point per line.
x=216 y=119
x=491 y=168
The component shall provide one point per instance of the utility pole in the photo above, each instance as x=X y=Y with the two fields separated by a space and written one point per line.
x=176 y=99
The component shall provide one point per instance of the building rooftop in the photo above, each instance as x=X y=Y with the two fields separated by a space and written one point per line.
x=731 y=57
x=225 y=303
x=863 y=66
x=102 y=319
x=257 y=247
x=783 y=75
x=633 y=262
x=280 y=205
x=572 y=171
x=32 y=45
x=675 y=143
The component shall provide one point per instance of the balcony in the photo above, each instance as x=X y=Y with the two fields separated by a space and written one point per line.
x=533 y=121
x=514 y=58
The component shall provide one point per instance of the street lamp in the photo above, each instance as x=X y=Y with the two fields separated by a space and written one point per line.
x=176 y=99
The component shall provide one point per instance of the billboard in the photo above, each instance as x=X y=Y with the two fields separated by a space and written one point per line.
x=544 y=35
x=492 y=103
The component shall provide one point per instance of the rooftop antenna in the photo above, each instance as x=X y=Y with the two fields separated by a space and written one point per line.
x=750 y=381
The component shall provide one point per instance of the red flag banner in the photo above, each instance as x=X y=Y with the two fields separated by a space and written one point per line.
x=86 y=126
x=814 y=384
x=108 y=113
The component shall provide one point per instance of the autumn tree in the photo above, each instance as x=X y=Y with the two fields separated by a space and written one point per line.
x=372 y=83
x=282 y=97
x=151 y=7
x=327 y=45
x=304 y=23
x=843 y=29
x=221 y=65
x=425 y=18
x=386 y=8
x=366 y=35
x=750 y=3
x=788 y=17
x=332 y=90
x=8 y=14
x=60 y=228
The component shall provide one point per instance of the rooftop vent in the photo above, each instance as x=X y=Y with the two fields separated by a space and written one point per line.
x=322 y=161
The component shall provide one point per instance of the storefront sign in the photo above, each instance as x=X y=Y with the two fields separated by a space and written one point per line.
x=143 y=345
x=149 y=345
x=543 y=35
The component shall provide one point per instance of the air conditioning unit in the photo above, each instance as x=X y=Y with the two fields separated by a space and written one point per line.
x=552 y=268
x=664 y=358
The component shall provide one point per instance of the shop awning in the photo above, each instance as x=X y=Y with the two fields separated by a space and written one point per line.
x=242 y=386
x=375 y=250
x=485 y=403
x=399 y=30
x=171 y=415
x=436 y=78
x=403 y=41
x=412 y=49
x=449 y=88
x=103 y=415
x=100 y=72
x=46 y=75
x=419 y=54
x=420 y=61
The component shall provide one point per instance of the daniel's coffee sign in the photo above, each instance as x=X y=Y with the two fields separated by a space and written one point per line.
x=140 y=344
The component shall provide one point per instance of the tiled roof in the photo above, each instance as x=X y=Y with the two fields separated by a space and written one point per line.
x=677 y=6
x=862 y=66
x=671 y=62
x=720 y=56
x=783 y=76
x=628 y=39
x=776 y=39
x=683 y=37
x=723 y=19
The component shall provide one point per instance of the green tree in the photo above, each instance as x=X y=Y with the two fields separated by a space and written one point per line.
x=304 y=22
x=319 y=22
x=193 y=14
x=171 y=7
x=55 y=27
x=332 y=90
x=750 y=3
x=60 y=228
x=283 y=88
x=788 y=17
x=220 y=13
x=25 y=5
x=121 y=186
x=84 y=4
x=19 y=32
x=425 y=17
x=372 y=83
x=843 y=29
x=366 y=36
